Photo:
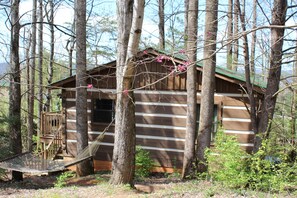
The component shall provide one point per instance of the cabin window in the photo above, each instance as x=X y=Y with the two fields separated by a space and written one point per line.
x=215 y=120
x=103 y=111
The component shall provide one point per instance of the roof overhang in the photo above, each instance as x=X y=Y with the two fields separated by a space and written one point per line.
x=221 y=73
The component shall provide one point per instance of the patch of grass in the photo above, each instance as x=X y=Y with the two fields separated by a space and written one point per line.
x=61 y=179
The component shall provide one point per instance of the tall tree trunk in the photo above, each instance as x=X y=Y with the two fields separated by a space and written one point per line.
x=70 y=46
x=129 y=32
x=294 y=101
x=208 y=82
x=235 y=34
x=15 y=88
x=27 y=54
x=161 y=25
x=186 y=2
x=247 y=69
x=230 y=35
x=40 y=63
x=189 y=151
x=50 y=68
x=254 y=38
x=32 y=79
x=277 y=38
x=84 y=168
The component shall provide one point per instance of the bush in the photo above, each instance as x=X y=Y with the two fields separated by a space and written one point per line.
x=272 y=168
x=272 y=171
x=143 y=163
x=227 y=162
x=61 y=179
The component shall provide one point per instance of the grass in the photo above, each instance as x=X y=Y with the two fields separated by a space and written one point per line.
x=98 y=186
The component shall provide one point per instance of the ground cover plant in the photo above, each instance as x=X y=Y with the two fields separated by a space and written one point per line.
x=272 y=169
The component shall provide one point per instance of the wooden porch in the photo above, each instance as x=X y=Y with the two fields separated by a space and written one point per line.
x=52 y=139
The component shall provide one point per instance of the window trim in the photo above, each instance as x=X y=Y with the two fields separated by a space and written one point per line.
x=93 y=110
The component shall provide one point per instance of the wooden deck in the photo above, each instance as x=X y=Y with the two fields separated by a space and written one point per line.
x=52 y=134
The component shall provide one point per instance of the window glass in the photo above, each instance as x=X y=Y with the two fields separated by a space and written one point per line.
x=103 y=110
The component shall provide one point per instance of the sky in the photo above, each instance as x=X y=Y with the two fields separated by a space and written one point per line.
x=64 y=14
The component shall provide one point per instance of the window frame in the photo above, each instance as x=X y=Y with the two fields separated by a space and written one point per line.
x=215 y=122
x=95 y=110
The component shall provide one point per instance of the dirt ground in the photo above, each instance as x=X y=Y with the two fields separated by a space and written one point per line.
x=158 y=185
x=89 y=186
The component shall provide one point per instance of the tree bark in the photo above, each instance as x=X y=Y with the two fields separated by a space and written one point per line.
x=84 y=168
x=247 y=69
x=294 y=101
x=32 y=79
x=236 y=33
x=50 y=68
x=277 y=35
x=40 y=64
x=230 y=35
x=186 y=2
x=208 y=82
x=191 y=125
x=161 y=25
x=129 y=32
x=14 y=88
x=254 y=38
x=70 y=46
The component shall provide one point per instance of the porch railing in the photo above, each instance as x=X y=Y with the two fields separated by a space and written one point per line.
x=52 y=133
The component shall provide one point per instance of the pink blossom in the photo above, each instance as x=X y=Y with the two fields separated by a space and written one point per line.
x=182 y=68
x=159 y=59
x=187 y=63
x=125 y=92
x=182 y=51
x=144 y=52
x=90 y=86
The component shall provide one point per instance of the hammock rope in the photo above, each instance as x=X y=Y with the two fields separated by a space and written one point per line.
x=36 y=164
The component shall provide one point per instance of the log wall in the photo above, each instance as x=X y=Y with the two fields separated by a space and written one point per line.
x=160 y=123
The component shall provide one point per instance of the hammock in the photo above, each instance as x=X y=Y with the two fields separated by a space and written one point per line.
x=36 y=164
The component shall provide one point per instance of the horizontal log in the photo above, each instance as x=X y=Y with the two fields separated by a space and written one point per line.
x=235 y=113
x=235 y=125
x=160 y=121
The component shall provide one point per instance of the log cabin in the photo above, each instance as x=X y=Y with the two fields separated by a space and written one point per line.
x=160 y=107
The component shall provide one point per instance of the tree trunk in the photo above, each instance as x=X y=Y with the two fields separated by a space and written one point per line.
x=70 y=46
x=247 y=69
x=186 y=2
x=40 y=64
x=230 y=35
x=161 y=25
x=14 y=124
x=277 y=38
x=254 y=37
x=294 y=101
x=27 y=55
x=129 y=32
x=190 y=139
x=50 y=69
x=32 y=79
x=84 y=168
x=236 y=33
x=208 y=82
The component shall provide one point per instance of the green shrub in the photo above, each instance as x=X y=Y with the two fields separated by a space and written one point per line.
x=143 y=163
x=61 y=179
x=4 y=142
x=272 y=171
x=227 y=162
